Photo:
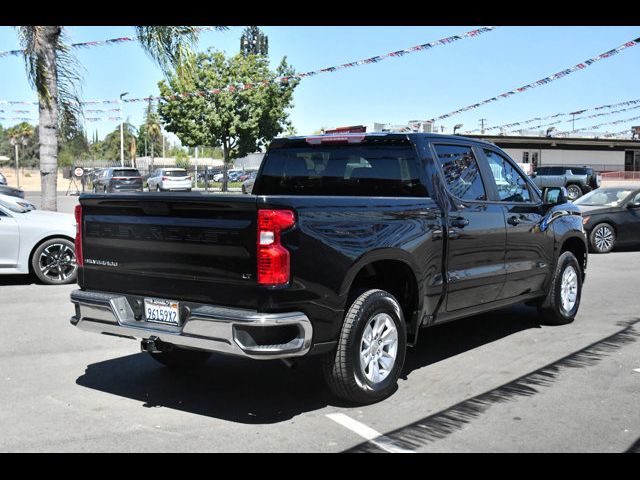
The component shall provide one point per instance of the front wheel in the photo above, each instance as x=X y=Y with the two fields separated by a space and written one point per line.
x=573 y=192
x=563 y=300
x=602 y=238
x=181 y=357
x=371 y=349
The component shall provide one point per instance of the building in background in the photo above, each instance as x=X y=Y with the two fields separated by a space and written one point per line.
x=601 y=154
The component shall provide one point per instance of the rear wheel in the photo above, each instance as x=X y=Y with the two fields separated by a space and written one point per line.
x=181 y=357
x=602 y=238
x=54 y=262
x=563 y=300
x=370 y=353
x=573 y=192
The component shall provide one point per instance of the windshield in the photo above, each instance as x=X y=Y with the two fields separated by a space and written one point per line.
x=611 y=197
x=18 y=207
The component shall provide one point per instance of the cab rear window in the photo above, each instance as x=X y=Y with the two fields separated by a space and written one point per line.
x=347 y=170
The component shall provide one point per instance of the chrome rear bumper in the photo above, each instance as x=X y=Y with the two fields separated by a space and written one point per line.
x=204 y=327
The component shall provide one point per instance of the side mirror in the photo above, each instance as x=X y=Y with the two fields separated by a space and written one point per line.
x=555 y=196
x=633 y=205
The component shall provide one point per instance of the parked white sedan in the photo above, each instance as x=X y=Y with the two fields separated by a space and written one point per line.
x=37 y=241
x=163 y=179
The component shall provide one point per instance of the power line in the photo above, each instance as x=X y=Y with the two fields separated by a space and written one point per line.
x=285 y=79
x=543 y=81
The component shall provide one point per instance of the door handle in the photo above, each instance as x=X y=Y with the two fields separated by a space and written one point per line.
x=459 y=222
x=514 y=220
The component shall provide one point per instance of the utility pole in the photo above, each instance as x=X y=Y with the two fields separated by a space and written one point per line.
x=482 y=120
x=122 y=130
x=573 y=119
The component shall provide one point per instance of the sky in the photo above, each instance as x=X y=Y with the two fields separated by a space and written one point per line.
x=420 y=85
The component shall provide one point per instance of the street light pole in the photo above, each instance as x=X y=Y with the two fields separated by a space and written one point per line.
x=17 y=164
x=122 y=130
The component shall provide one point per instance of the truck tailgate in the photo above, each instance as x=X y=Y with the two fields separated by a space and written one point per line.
x=195 y=247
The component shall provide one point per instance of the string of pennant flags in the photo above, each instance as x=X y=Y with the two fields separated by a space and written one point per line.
x=556 y=115
x=613 y=112
x=285 y=79
x=626 y=132
x=543 y=81
x=95 y=43
x=595 y=127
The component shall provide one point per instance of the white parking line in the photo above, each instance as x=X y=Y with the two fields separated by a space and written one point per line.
x=367 y=433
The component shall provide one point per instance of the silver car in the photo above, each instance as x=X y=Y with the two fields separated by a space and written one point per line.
x=169 y=179
x=247 y=185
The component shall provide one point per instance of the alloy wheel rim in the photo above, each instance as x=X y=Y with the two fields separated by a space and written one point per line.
x=573 y=193
x=569 y=289
x=57 y=262
x=603 y=238
x=378 y=348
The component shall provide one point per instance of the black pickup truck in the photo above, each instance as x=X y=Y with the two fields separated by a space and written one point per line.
x=348 y=246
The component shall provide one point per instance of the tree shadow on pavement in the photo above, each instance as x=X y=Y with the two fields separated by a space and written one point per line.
x=635 y=448
x=441 y=424
x=263 y=392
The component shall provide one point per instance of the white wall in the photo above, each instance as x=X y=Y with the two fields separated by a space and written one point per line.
x=600 y=160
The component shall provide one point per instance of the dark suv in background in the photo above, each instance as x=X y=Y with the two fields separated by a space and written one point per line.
x=111 y=180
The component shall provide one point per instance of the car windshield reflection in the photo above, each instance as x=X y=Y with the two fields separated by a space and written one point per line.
x=609 y=197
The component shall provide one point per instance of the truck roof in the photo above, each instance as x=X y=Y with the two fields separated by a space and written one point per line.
x=382 y=135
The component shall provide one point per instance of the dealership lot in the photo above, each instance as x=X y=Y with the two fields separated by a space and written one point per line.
x=496 y=382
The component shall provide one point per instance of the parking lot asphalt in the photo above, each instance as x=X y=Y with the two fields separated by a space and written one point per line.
x=499 y=382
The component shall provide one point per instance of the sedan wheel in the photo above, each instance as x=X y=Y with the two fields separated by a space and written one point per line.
x=54 y=262
x=602 y=238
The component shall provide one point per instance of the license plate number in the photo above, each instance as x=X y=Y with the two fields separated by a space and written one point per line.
x=162 y=311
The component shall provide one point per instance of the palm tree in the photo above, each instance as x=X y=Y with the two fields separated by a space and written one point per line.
x=18 y=136
x=53 y=72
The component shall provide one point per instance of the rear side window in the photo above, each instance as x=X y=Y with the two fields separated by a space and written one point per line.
x=461 y=172
x=346 y=170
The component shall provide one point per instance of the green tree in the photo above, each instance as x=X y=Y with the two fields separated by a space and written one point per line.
x=182 y=159
x=53 y=72
x=110 y=146
x=239 y=121
x=19 y=136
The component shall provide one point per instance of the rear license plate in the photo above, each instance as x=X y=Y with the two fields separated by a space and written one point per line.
x=157 y=310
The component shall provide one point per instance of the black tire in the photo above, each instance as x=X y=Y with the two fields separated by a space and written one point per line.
x=585 y=189
x=56 y=275
x=551 y=310
x=574 y=191
x=602 y=238
x=180 y=358
x=342 y=367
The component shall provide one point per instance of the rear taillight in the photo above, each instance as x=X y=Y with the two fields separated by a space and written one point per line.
x=79 y=257
x=165 y=178
x=273 y=258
